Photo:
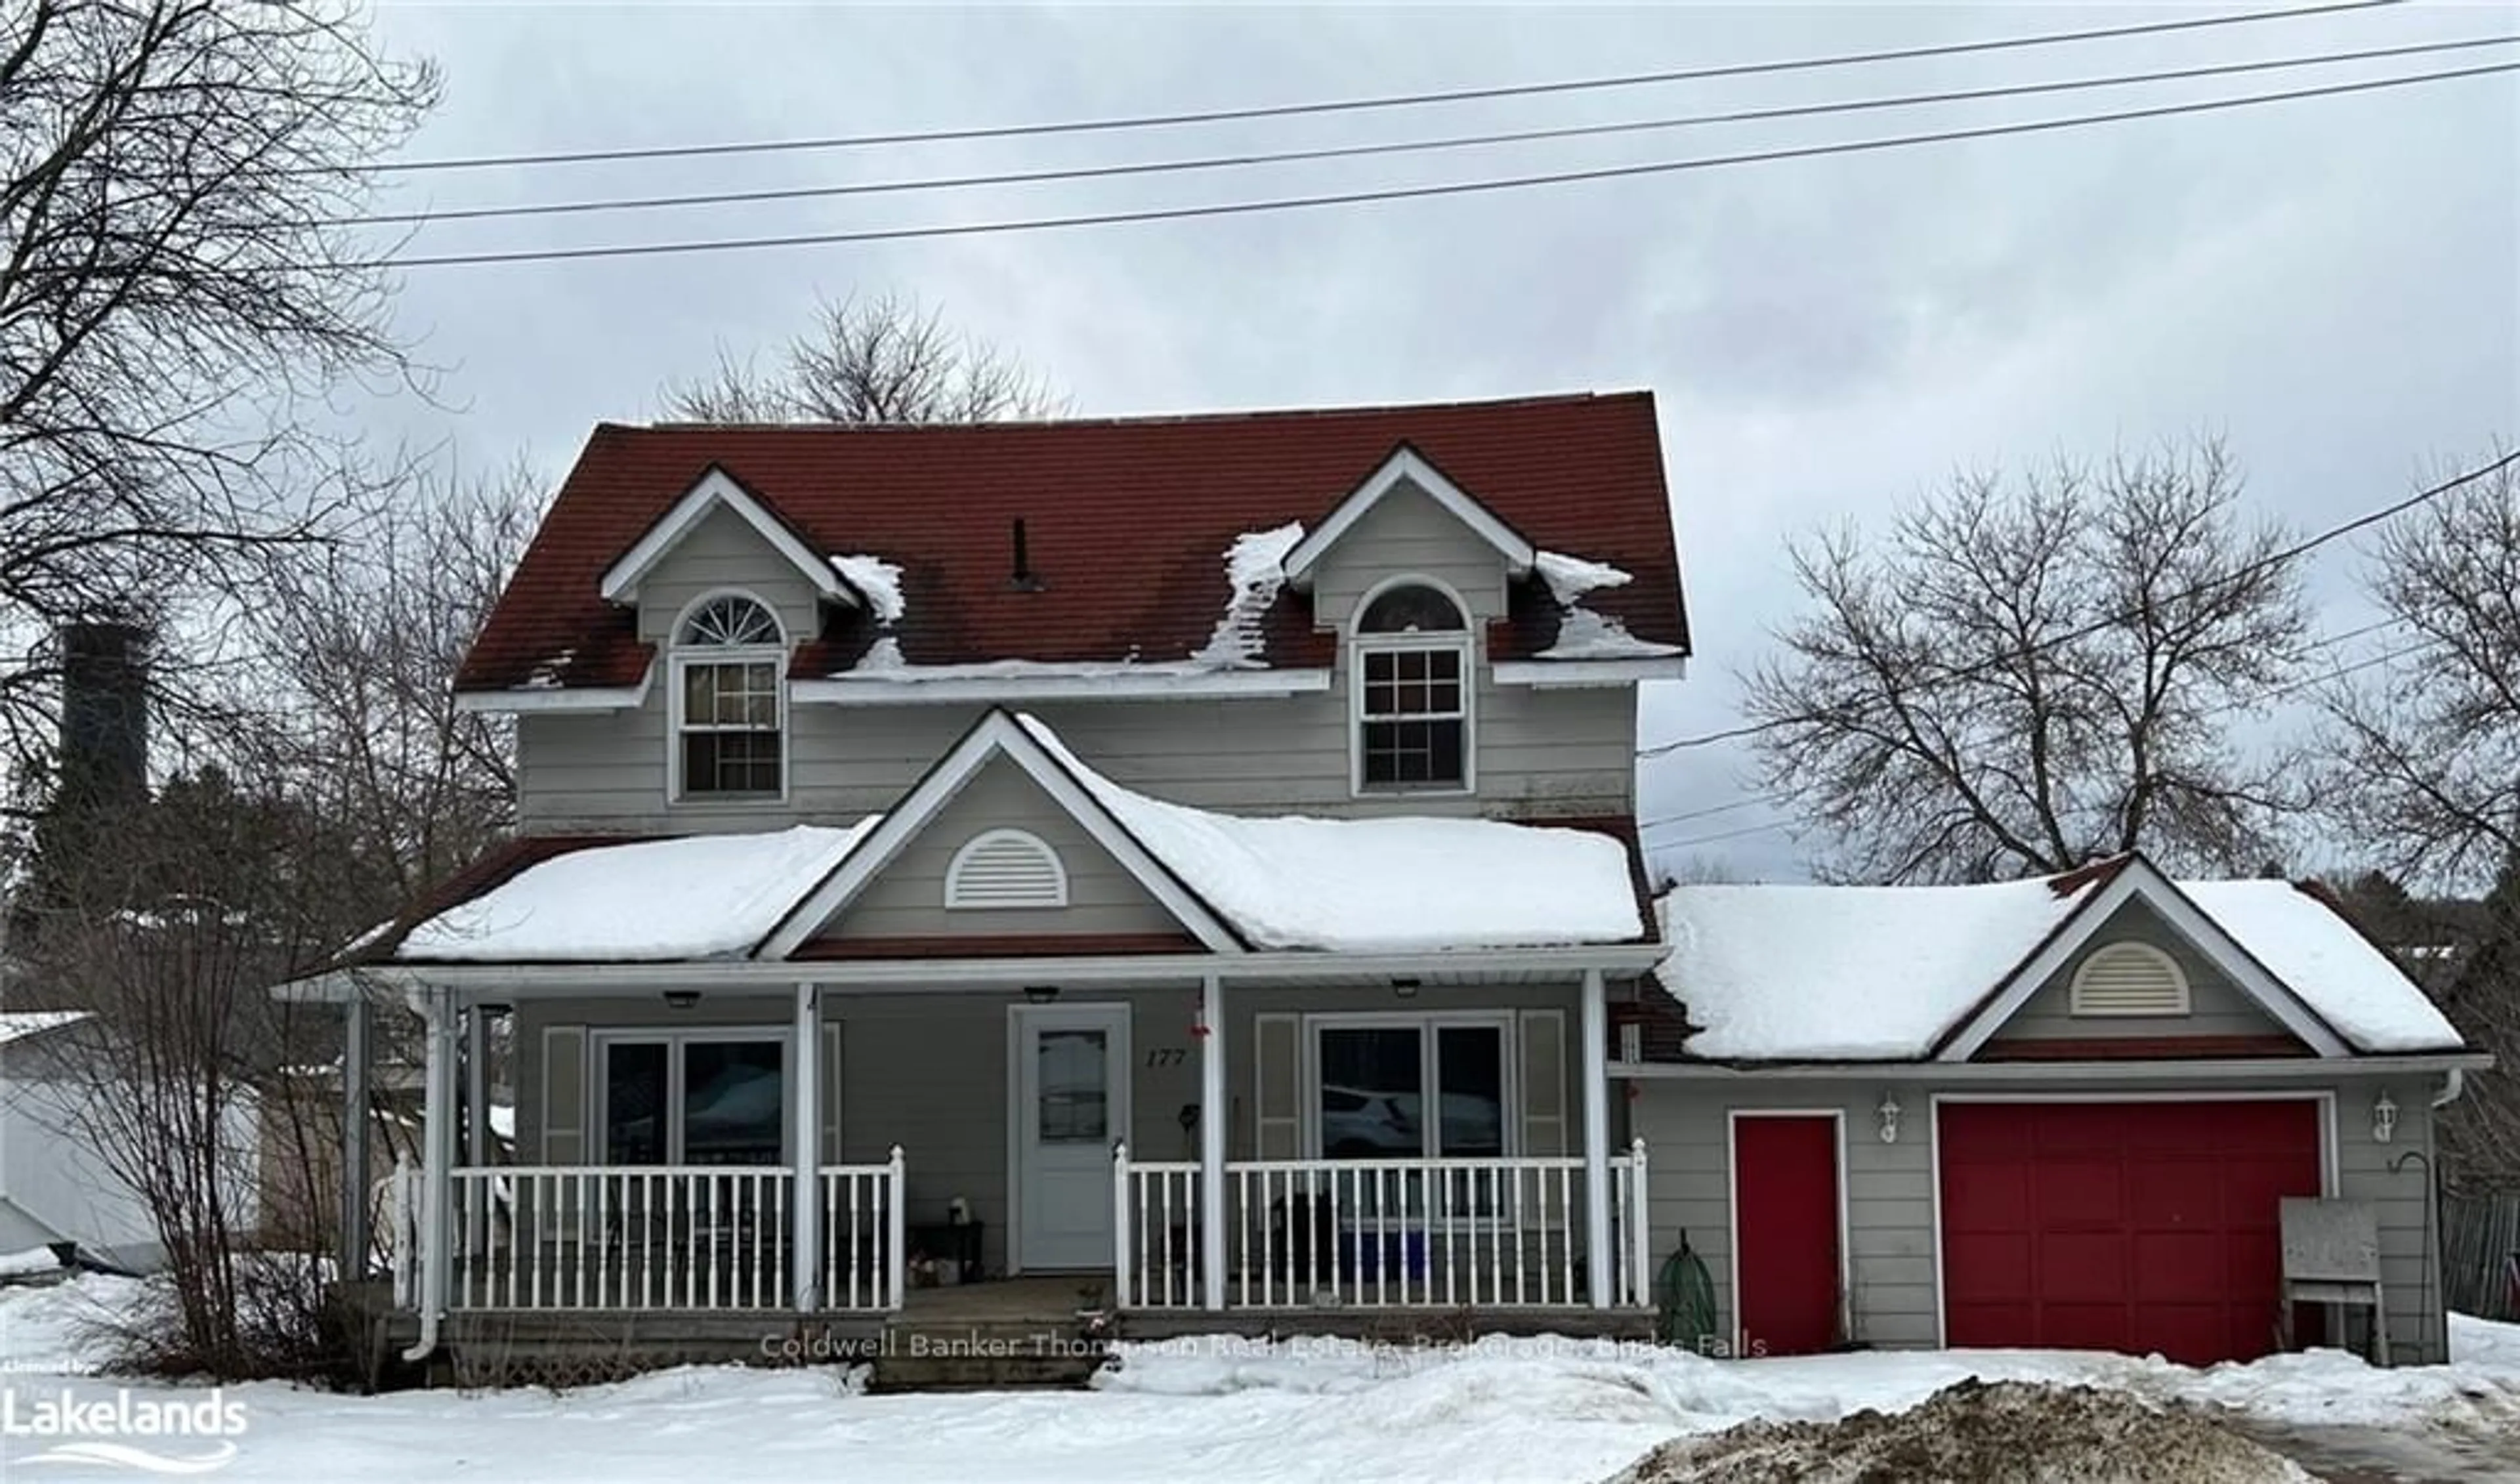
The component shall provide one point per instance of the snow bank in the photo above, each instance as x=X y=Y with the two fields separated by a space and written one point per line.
x=27 y=1263
x=1254 y=572
x=701 y=897
x=1844 y=973
x=1583 y=634
x=2492 y=1345
x=17 y=1023
x=1381 y=884
x=877 y=581
x=2333 y=967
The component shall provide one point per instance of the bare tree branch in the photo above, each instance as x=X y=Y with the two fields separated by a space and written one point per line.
x=884 y=359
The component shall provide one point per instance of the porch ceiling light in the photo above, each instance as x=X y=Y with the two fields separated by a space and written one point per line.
x=1041 y=994
x=682 y=999
x=2384 y=1117
x=1887 y=1116
x=1405 y=986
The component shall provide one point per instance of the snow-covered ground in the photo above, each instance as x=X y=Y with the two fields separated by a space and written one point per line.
x=1501 y=1409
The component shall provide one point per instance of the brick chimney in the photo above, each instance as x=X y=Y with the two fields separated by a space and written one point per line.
x=105 y=714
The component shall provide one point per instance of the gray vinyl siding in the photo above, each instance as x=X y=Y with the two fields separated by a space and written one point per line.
x=2216 y=1007
x=907 y=898
x=724 y=552
x=1407 y=534
x=1890 y=1195
x=928 y=1071
x=1565 y=752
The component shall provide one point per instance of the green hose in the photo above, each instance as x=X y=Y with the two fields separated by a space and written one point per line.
x=1685 y=1297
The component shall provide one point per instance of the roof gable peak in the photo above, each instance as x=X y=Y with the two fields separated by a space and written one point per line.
x=1407 y=466
x=718 y=489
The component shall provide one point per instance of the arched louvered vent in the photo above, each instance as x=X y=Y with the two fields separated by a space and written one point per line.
x=2130 y=979
x=1005 y=867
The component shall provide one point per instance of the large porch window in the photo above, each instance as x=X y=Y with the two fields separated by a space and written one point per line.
x=1406 y=1088
x=703 y=1097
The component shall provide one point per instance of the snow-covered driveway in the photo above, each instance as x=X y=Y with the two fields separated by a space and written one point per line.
x=1499 y=1410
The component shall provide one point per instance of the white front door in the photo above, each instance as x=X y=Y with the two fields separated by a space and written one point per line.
x=1070 y=1089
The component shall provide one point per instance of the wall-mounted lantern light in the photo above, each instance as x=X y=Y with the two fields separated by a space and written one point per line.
x=1887 y=1116
x=2384 y=1117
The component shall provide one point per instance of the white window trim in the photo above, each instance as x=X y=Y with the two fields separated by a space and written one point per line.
x=2075 y=1006
x=1426 y=1024
x=600 y=1043
x=954 y=901
x=1464 y=642
x=682 y=656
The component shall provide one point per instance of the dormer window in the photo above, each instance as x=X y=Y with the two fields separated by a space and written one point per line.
x=1412 y=690
x=730 y=704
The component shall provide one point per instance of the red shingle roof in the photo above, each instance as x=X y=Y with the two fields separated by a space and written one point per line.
x=1127 y=522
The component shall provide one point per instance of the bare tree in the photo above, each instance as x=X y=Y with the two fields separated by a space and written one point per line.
x=2026 y=677
x=2427 y=750
x=884 y=359
x=364 y=640
x=175 y=281
x=2424 y=772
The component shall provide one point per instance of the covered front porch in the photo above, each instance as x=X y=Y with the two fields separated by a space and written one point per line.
x=1294 y=1141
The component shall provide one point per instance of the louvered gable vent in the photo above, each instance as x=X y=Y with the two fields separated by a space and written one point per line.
x=1005 y=867
x=2130 y=979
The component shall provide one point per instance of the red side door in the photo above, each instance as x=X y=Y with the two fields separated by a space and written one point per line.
x=1785 y=1233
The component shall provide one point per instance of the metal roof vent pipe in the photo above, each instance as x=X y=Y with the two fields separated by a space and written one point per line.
x=1026 y=579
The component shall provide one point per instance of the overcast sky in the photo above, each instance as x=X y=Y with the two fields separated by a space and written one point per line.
x=2334 y=285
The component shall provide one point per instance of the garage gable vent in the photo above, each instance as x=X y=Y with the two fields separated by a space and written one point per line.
x=2130 y=979
x=1005 y=867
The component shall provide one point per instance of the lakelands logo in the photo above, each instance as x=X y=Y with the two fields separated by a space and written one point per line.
x=154 y=1435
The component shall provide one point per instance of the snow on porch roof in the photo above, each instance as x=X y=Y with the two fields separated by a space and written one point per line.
x=1283 y=882
x=1879 y=973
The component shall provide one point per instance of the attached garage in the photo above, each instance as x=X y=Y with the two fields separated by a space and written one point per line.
x=2129 y=1226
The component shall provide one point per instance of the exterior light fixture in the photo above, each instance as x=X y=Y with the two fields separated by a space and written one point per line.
x=2384 y=1117
x=1040 y=994
x=682 y=999
x=1887 y=1116
x=1405 y=986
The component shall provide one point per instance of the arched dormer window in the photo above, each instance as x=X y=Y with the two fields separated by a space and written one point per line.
x=2129 y=978
x=1005 y=867
x=730 y=700
x=1412 y=690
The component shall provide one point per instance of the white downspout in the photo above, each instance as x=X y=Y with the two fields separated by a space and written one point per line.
x=2453 y=1086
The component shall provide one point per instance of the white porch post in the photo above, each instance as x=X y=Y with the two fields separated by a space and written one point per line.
x=437 y=1153
x=357 y=1243
x=804 y=1267
x=1214 y=1113
x=1597 y=1140
x=477 y=1115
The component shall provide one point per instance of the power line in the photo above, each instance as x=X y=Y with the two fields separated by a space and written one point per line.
x=1735 y=807
x=1725 y=834
x=1446 y=143
x=2267 y=562
x=1408 y=193
x=1368 y=104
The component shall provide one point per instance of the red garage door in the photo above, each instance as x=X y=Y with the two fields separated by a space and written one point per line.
x=2139 y=1226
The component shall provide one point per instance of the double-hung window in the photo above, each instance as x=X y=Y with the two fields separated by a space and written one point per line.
x=1413 y=693
x=730 y=709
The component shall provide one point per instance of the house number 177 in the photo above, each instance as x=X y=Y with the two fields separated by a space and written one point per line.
x=1167 y=1056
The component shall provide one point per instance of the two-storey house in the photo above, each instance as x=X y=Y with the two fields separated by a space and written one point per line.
x=1199 y=854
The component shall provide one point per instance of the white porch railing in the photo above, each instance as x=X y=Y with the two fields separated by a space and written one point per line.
x=1504 y=1233
x=598 y=1238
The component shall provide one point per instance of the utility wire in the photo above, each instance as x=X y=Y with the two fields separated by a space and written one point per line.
x=1488 y=185
x=2267 y=562
x=1369 y=104
x=1444 y=142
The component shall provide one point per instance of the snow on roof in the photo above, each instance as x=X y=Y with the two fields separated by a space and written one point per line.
x=2334 y=969
x=1583 y=634
x=1254 y=572
x=1882 y=972
x=1381 y=884
x=18 y=1024
x=701 y=897
x=1844 y=974
x=884 y=661
x=877 y=580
